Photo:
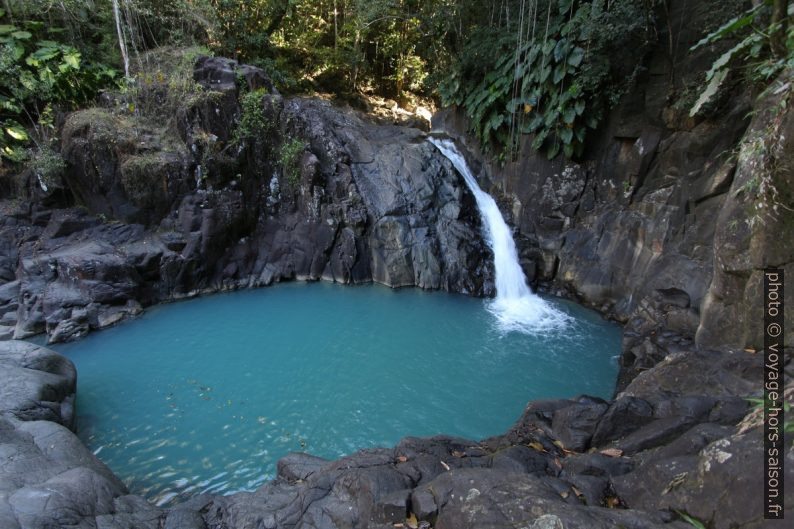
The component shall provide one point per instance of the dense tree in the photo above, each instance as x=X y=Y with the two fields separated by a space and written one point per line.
x=549 y=68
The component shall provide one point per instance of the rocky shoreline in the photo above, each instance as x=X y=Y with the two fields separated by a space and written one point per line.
x=677 y=440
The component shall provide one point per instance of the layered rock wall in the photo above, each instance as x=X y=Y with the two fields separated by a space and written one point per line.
x=667 y=222
x=150 y=211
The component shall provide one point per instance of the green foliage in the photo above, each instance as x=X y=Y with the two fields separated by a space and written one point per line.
x=753 y=51
x=253 y=122
x=549 y=69
x=48 y=165
x=691 y=520
x=554 y=84
x=154 y=23
x=241 y=28
x=162 y=81
x=38 y=68
x=388 y=47
x=290 y=160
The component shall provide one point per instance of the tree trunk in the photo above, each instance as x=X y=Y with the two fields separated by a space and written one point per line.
x=779 y=26
x=336 y=28
x=122 y=43
x=357 y=58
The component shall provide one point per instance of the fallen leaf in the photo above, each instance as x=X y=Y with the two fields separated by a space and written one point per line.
x=402 y=459
x=564 y=494
x=446 y=467
x=612 y=452
x=754 y=419
x=412 y=522
x=457 y=453
x=613 y=502
x=750 y=350
x=537 y=447
x=576 y=491
x=557 y=462
x=677 y=480
x=559 y=444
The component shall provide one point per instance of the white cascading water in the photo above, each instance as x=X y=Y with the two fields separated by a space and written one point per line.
x=515 y=306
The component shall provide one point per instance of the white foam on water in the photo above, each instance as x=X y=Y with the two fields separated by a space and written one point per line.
x=515 y=307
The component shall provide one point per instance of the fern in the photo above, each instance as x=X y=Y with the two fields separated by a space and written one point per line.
x=754 y=48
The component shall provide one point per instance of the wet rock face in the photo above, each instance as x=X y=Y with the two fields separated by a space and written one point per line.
x=167 y=212
x=658 y=225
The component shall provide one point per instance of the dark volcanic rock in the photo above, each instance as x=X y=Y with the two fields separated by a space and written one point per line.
x=36 y=383
x=361 y=202
x=705 y=485
x=753 y=230
x=47 y=477
x=575 y=425
x=623 y=416
x=392 y=508
x=298 y=466
x=221 y=74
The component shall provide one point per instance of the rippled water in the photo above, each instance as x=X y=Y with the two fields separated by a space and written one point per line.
x=206 y=395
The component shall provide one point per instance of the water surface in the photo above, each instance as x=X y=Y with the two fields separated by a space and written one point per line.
x=206 y=395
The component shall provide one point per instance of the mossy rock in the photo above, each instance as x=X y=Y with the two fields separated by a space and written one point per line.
x=163 y=81
x=178 y=60
x=148 y=179
x=205 y=97
x=101 y=125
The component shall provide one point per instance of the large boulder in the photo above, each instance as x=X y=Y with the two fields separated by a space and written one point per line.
x=48 y=478
x=36 y=383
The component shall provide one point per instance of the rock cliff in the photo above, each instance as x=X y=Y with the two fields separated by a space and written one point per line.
x=667 y=222
x=148 y=212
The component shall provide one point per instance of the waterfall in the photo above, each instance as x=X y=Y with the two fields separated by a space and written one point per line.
x=515 y=307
